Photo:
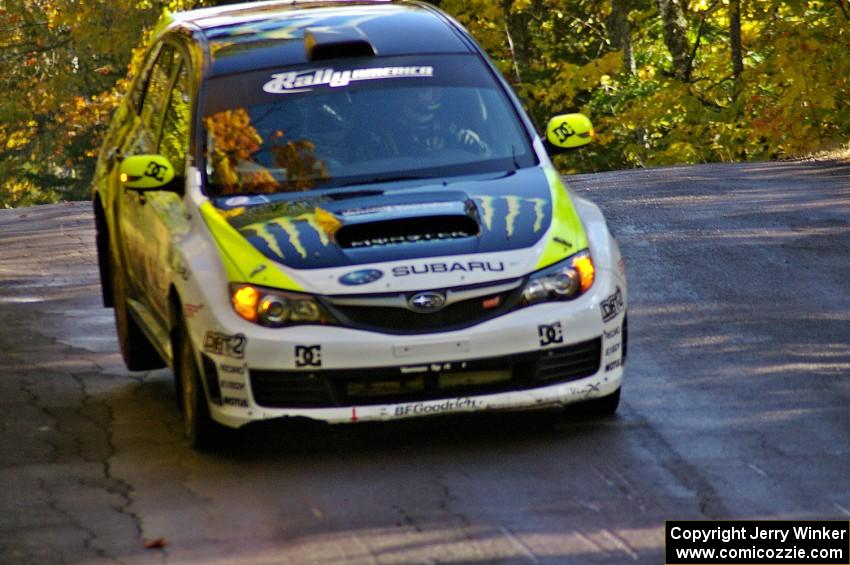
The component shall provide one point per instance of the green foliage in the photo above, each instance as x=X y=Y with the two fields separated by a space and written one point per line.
x=62 y=71
x=790 y=101
x=63 y=65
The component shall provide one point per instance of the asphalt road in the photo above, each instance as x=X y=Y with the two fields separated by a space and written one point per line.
x=736 y=405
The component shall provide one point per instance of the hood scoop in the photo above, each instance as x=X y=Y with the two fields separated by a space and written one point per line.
x=416 y=218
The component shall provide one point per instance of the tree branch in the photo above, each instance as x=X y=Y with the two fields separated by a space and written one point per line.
x=843 y=9
x=690 y=64
x=30 y=52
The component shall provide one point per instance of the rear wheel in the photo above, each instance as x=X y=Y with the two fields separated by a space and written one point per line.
x=136 y=349
x=199 y=429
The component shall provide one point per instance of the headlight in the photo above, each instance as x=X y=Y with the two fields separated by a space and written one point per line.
x=276 y=308
x=563 y=281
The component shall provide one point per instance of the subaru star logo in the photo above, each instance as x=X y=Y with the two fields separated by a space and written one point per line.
x=363 y=276
x=427 y=301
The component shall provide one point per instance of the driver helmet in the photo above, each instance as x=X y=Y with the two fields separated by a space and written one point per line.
x=420 y=105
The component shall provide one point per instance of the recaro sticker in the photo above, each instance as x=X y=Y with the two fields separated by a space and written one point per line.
x=305 y=81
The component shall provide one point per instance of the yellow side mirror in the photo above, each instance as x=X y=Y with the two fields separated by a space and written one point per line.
x=145 y=172
x=569 y=130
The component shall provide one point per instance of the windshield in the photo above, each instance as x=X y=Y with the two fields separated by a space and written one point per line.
x=323 y=128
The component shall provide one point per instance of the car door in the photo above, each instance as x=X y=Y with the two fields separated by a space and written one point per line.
x=144 y=233
x=164 y=212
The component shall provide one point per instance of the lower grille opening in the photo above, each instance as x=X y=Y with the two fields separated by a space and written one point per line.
x=388 y=385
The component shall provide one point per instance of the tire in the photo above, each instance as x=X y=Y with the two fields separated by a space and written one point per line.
x=199 y=429
x=136 y=349
x=604 y=406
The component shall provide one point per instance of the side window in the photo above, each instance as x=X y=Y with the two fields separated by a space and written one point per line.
x=157 y=90
x=134 y=97
x=175 y=126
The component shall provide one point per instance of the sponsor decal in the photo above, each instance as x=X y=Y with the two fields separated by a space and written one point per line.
x=420 y=408
x=550 y=334
x=232 y=369
x=232 y=385
x=363 y=276
x=563 y=242
x=237 y=201
x=612 y=333
x=465 y=267
x=613 y=365
x=393 y=209
x=432 y=368
x=290 y=230
x=563 y=132
x=427 y=301
x=305 y=81
x=590 y=388
x=223 y=344
x=487 y=207
x=308 y=355
x=231 y=401
x=612 y=306
x=613 y=349
x=182 y=271
x=412 y=238
x=155 y=171
x=192 y=309
x=586 y=390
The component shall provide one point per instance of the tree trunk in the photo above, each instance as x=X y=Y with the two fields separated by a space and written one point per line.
x=675 y=27
x=621 y=33
x=518 y=27
x=735 y=39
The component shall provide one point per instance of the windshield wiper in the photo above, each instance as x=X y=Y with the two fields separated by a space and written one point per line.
x=344 y=194
x=377 y=180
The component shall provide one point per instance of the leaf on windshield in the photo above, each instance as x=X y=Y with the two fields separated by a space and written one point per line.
x=234 y=140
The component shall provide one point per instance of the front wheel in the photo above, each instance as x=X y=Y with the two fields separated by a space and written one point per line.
x=603 y=406
x=199 y=429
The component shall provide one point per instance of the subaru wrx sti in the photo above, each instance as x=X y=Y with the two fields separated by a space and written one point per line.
x=340 y=211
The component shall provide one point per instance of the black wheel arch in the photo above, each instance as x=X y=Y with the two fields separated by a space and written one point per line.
x=104 y=257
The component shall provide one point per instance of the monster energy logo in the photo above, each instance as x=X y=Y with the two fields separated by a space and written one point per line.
x=487 y=206
x=291 y=227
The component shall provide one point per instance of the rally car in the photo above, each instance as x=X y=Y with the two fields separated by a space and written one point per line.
x=340 y=211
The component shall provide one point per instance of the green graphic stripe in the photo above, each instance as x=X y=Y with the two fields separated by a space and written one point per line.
x=240 y=257
x=566 y=225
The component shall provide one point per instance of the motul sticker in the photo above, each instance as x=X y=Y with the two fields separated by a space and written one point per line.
x=305 y=81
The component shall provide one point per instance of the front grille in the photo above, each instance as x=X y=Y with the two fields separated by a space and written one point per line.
x=582 y=359
x=399 y=319
x=388 y=385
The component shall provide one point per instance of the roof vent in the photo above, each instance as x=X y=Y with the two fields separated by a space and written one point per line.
x=321 y=44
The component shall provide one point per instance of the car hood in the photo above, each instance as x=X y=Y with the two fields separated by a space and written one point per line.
x=378 y=223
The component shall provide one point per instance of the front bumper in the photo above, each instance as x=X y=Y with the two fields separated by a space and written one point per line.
x=550 y=354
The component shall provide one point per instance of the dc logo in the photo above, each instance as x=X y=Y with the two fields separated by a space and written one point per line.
x=550 y=334
x=155 y=171
x=563 y=132
x=308 y=355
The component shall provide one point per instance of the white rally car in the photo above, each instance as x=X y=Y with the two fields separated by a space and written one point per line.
x=340 y=211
